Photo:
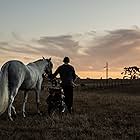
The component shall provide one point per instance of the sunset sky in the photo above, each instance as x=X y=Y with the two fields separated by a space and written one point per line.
x=90 y=32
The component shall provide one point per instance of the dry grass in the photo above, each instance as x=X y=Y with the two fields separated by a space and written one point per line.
x=96 y=116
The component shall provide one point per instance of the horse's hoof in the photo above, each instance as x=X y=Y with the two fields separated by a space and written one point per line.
x=24 y=116
x=11 y=119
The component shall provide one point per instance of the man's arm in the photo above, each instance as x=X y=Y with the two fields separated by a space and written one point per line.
x=74 y=75
x=56 y=73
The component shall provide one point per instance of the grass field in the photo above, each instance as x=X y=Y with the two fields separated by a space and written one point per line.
x=98 y=115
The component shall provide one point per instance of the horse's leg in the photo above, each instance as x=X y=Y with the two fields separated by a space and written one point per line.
x=14 y=110
x=10 y=106
x=12 y=97
x=38 y=90
x=24 y=103
x=38 y=101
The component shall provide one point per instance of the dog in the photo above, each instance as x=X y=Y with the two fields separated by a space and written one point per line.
x=55 y=101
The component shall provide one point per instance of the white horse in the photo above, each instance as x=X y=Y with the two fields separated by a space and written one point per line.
x=15 y=75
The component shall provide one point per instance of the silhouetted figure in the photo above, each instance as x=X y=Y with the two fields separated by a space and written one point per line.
x=67 y=76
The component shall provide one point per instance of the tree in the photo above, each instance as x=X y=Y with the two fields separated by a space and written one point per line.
x=131 y=72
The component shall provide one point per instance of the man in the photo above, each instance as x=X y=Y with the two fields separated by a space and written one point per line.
x=67 y=76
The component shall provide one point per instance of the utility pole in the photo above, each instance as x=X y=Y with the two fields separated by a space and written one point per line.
x=106 y=70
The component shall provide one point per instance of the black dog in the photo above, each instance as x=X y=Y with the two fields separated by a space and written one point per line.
x=55 y=100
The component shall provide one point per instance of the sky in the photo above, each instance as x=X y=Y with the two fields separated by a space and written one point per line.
x=90 y=32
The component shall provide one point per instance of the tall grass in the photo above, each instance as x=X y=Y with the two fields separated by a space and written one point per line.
x=96 y=116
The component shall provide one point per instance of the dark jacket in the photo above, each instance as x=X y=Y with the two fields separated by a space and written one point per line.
x=67 y=74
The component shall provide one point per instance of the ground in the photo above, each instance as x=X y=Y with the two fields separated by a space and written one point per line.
x=97 y=115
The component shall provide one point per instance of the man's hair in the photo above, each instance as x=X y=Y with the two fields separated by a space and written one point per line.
x=66 y=59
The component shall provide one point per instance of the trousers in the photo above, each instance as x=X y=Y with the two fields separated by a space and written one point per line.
x=68 y=92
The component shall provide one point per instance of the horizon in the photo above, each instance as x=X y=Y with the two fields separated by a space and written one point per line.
x=91 y=33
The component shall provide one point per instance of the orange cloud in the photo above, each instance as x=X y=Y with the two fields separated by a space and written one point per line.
x=88 y=53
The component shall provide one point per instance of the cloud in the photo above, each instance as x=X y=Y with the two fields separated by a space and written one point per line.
x=118 y=47
x=88 y=51
x=59 y=45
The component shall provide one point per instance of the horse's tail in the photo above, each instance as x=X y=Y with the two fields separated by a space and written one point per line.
x=4 y=96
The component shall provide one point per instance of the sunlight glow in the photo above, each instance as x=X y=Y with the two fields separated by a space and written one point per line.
x=98 y=74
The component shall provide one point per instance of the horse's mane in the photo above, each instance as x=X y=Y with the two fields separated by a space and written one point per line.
x=35 y=61
x=38 y=61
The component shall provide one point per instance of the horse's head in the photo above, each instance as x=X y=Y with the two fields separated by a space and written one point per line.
x=48 y=67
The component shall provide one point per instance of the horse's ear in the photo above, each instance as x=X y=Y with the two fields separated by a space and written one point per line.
x=50 y=59
x=43 y=57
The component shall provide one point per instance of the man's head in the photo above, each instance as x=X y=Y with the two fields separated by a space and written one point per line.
x=66 y=59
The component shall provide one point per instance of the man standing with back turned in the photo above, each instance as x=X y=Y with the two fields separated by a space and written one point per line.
x=67 y=76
